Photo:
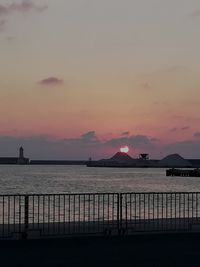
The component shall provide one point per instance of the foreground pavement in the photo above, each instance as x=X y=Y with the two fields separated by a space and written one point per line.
x=141 y=250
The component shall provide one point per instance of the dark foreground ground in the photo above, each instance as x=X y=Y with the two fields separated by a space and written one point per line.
x=147 y=250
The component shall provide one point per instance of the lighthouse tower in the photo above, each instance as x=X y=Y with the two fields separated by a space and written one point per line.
x=21 y=159
x=21 y=153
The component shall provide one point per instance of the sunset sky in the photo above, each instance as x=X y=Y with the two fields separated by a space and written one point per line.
x=80 y=78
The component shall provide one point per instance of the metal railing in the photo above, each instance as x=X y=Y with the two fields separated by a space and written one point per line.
x=101 y=213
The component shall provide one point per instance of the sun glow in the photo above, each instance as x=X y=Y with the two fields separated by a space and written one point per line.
x=124 y=149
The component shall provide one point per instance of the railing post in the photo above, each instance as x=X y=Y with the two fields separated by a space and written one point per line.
x=26 y=217
x=119 y=212
x=26 y=211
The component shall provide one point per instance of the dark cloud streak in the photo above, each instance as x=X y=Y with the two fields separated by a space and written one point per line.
x=185 y=128
x=197 y=135
x=90 y=136
x=125 y=133
x=2 y=24
x=195 y=14
x=23 y=7
x=173 y=129
x=51 y=81
x=136 y=141
x=146 y=86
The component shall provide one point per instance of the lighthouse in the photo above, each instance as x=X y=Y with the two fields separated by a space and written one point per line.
x=21 y=158
x=21 y=153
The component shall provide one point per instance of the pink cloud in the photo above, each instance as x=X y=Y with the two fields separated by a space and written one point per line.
x=51 y=81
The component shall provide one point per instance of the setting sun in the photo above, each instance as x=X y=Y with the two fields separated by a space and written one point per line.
x=124 y=149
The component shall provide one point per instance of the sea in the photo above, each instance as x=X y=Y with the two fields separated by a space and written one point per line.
x=50 y=179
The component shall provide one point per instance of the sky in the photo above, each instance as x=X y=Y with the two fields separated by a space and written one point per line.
x=79 y=79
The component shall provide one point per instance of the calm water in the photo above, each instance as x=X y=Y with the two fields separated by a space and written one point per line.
x=78 y=179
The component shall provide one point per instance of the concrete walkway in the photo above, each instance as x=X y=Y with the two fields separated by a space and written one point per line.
x=142 y=250
x=45 y=230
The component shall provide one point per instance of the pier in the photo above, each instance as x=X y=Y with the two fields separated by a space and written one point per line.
x=183 y=173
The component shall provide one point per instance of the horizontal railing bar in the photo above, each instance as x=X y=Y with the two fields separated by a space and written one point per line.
x=98 y=193
x=64 y=194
